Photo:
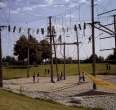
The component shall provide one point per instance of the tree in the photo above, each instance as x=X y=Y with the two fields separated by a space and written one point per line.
x=45 y=47
x=37 y=51
x=8 y=60
x=99 y=59
x=111 y=58
x=69 y=60
x=21 y=50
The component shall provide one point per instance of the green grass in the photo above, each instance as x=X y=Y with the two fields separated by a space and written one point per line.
x=71 y=69
x=11 y=101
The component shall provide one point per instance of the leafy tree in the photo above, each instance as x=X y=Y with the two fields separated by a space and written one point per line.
x=21 y=49
x=111 y=58
x=99 y=59
x=69 y=60
x=8 y=60
x=37 y=51
x=45 y=47
x=34 y=51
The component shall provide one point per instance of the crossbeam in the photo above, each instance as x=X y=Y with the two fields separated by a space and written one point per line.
x=106 y=12
x=107 y=30
x=107 y=37
x=73 y=43
x=109 y=24
x=103 y=30
x=106 y=49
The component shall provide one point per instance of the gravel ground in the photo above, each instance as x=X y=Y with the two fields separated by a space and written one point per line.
x=107 y=102
x=67 y=91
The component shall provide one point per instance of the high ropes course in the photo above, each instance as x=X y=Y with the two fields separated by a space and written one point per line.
x=57 y=24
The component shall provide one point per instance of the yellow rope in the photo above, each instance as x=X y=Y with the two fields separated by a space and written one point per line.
x=101 y=83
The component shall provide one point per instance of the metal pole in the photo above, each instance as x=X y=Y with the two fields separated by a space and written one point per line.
x=1 y=76
x=78 y=64
x=51 y=58
x=93 y=42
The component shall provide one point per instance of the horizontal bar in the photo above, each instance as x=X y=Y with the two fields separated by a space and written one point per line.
x=106 y=12
x=107 y=37
x=109 y=24
x=106 y=49
x=103 y=30
x=3 y=26
x=106 y=28
x=74 y=43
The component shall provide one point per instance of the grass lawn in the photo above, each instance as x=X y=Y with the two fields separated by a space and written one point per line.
x=11 y=101
x=71 y=69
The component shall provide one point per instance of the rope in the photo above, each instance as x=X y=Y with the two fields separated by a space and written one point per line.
x=101 y=82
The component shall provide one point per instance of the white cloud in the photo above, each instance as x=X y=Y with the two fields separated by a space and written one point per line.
x=88 y=1
x=99 y=0
x=83 y=1
x=28 y=8
x=73 y=5
x=67 y=0
x=2 y=4
x=59 y=5
x=68 y=16
x=50 y=2
x=19 y=0
x=15 y=11
x=39 y=5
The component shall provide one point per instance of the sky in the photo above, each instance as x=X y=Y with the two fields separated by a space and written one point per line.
x=65 y=13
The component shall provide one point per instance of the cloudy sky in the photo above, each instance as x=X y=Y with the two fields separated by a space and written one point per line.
x=66 y=13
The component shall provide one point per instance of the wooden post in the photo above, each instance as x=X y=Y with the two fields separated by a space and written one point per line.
x=93 y=42
x=114 y=16
x=64 y=62
x=55 y=58
x=1 y=76
x=28 y=54
x=51 y=58
x=78 y=58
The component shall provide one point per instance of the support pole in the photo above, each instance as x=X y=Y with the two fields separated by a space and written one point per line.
x=78 y=64
x=28 y=59
x=93 y=42
x=51 y=58
x=64 y=61
x=114 y=17
x=55 y=58
x=1 y=76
